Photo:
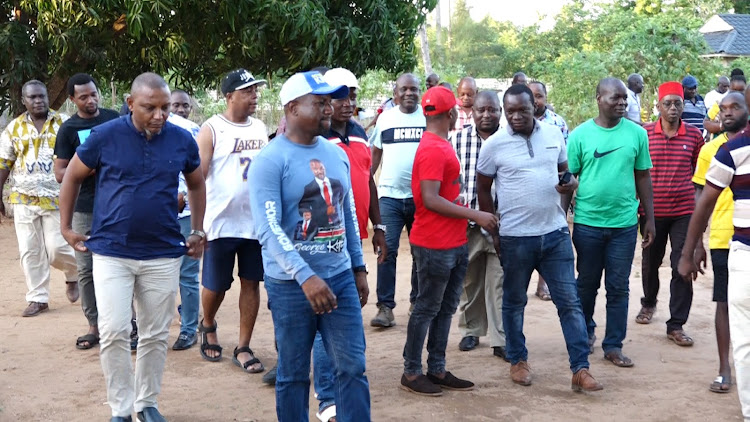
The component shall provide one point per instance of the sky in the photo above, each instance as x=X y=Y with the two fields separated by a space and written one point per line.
x=519 y=12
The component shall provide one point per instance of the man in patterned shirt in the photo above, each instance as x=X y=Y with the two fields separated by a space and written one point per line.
x=482 y=296
x=466 y=91
x=26 y=149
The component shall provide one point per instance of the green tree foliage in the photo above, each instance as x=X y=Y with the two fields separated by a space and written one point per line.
x=196 y=41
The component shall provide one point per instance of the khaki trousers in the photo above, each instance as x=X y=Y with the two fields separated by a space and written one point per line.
x=40 y=245
x=153 y=285
x=738 y=294
x=480 y=308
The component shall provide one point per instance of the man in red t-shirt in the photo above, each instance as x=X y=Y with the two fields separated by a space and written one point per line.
x=438 y=240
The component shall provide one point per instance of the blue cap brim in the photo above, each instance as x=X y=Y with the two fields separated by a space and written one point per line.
x=336 y=92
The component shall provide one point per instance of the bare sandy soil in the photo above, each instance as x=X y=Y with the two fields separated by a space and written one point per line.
x=44 y=378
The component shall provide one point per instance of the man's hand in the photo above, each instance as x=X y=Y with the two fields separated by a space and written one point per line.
x=195 y=245
x=319 y=295
x=699 y=257
x=180 y=202
x=75 y=240
x=648 y=233
x=688 y=269
x=360 y=279
x=496 y=243
x=569 y=187
x=2 y=210
x=487 y=221
x=378 y=244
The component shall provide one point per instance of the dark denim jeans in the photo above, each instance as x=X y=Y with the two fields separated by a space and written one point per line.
x=551 y=255
x=190 y=296
x=440 y=274
x=395 y=214
x=609 y=250
x=295 y=325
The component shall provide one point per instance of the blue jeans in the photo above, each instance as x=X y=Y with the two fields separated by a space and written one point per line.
x=609 y=250
x=395 y=214
x=189 y=287
x=325 y=381
x=551 y=255
x=295 y=325
x=440 y=274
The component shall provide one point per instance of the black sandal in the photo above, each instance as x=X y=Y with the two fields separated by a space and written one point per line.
x=91 y=339
x=253 y=361
x=205 y=345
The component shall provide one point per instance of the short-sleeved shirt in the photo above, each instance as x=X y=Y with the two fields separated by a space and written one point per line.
x=731 y=168
x=605 y=159
x=525 y=174
x=398 y=135
x=73 y=133
x=135 y=208
x=555 y=119
x=193 y=128
x=695 y=112
x=674 y=164
x=722 y=227
x=27 y=154
x=713 y=98
x=354 y=143
x=437 y=161
x=633 y=111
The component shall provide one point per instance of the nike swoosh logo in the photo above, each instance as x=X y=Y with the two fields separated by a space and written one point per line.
x=598 y=154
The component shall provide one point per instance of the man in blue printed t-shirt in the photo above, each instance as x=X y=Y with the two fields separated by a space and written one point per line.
x=315 y=282
x=135 y=238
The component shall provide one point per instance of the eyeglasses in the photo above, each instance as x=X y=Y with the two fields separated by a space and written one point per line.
x=670 y=104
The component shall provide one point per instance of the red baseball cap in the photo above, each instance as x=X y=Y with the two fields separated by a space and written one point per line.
x=437 y=100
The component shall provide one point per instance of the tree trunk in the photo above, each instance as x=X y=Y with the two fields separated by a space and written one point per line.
x=438 y=26
x=425 y=50
x=57 y=89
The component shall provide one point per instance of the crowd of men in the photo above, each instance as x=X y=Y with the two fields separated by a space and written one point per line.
x=127 y=205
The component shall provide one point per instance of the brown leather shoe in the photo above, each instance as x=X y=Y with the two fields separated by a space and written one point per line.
x=34 y=309
x=520 y=373
x=72 y=291
x=584 y=381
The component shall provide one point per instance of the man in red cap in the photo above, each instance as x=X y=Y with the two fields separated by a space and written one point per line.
x=674 y=147
x=438 y=240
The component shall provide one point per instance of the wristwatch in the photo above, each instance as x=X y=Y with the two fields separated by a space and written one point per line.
x=380 y=227
x=360 y=269
x=198 y=233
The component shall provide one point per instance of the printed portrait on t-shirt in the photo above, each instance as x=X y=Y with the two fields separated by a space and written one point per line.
x=319 y=207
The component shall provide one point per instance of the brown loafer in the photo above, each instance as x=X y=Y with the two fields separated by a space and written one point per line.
x=584 y=381
x=520 y=373
x=34 y=309
x=645 y=315
x=72 y=291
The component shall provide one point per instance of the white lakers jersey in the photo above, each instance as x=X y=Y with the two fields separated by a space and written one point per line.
x=227 y=188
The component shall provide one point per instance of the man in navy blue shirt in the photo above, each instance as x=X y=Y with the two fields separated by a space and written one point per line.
x=135 y=238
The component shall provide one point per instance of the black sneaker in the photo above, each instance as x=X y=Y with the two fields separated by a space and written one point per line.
x=422 y=386
x=185 y=341
x=451 y=382
x=134 y=337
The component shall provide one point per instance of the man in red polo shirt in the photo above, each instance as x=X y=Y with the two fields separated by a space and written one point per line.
x=438 y=240
x=674 y=146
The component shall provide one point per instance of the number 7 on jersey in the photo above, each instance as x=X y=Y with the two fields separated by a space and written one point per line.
x=245 y=162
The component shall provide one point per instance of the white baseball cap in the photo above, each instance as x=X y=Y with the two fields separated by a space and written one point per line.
x=342 y=76
x=311 y=82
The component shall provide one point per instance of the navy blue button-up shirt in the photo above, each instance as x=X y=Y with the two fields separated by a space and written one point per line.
x=135 y=208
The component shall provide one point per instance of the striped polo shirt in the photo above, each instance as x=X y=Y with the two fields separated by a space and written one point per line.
x=731 y=168
x=695 y=112
x=674 y=161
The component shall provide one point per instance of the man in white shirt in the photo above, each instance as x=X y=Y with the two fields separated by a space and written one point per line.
x=716 y=95
x=635 y=87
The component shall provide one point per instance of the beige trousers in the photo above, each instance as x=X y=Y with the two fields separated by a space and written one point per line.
x=480 y=308
x=153 y=286
x=40 y=245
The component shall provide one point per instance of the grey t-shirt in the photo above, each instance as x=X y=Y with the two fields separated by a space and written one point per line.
x=525 y=173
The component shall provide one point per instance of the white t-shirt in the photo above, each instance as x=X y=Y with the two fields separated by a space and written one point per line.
x=193 y=128
x=633 y=112
x=398 y=135
x=227 y=188
x=713 y=97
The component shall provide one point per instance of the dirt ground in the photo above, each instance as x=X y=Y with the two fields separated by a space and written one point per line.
x=44 y=378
